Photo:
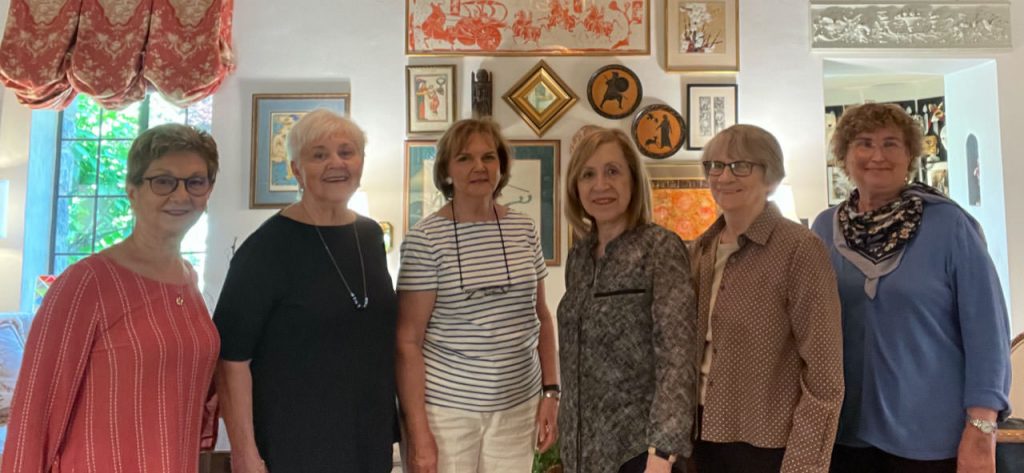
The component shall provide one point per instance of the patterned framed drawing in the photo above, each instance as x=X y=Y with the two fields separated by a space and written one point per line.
x=430 y=98
x=527 y=27
x=658 y=131
x=540 y=98
x=271 y=183
x=681 y=199
x=710 y=108
x=533 y=187
x=614 y=91
x=702 y=35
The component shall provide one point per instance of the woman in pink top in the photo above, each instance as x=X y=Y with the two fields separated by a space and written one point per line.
x=117 y=370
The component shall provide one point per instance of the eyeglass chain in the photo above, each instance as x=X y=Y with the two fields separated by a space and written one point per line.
x=355 y=300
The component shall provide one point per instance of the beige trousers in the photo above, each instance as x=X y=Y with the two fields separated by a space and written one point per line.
x=484 y=442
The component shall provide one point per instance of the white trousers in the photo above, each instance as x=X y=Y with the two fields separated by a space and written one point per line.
x=484 y=442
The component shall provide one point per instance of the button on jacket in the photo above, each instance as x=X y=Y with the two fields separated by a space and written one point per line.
x=776 y=377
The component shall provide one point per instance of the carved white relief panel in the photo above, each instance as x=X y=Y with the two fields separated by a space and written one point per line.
x=910 y=25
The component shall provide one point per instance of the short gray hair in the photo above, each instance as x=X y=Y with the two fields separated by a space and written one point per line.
x=749 y=143
x=321 y=124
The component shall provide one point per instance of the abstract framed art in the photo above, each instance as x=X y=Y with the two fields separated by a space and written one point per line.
x=527 y=27
x=430 y=98
x=271 y=183
x=533 y=187
x=701 y=35
x=540 y=98
x=681 y=199
x=710 y=108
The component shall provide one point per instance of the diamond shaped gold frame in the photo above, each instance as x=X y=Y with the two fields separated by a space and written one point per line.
x=540 y=98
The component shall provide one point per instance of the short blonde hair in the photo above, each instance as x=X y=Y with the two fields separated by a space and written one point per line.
x=639 y=210
x=749 y=143
x=321 y=124
x=871 y=117
x=456 y=138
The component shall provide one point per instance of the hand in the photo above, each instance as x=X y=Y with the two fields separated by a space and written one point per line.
x=547 y=423
x=422 y=454
x=977 y=452
x=244 y=462
x=656 y=464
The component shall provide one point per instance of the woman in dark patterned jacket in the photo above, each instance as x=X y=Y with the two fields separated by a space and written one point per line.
x=627 y=331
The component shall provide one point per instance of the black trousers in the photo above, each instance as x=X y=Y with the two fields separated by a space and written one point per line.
x=736 y=457
x=872 y=460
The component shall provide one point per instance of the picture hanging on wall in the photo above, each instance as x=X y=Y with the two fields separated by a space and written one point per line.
x=701 y=35
x=532 y=188
x=271 y=182
x=681 y=199
x=540 y=98
x=430 y=98
x=710 y=109
x=614 y=91
x=934 y=168
x=658 y=131
x=527 y=27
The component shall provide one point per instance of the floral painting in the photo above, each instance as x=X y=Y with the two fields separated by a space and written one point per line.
x=527 y=27
x=701 y=35
x=701 y=28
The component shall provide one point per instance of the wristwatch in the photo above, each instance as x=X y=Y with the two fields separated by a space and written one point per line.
x=987 y=427
x=552 y=391
x=670 y=457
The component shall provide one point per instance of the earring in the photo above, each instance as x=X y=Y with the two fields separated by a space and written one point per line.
x=448 y=180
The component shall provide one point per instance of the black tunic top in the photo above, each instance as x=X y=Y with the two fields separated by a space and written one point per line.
x=323 y=372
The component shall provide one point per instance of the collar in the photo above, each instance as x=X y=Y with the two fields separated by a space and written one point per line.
x=758 y=232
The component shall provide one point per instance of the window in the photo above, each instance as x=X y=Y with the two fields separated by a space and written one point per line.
x=90 y=207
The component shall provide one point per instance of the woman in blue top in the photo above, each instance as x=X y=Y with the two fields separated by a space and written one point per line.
x=925 y=326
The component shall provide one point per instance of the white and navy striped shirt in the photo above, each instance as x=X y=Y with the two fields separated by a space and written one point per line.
x=480 y=347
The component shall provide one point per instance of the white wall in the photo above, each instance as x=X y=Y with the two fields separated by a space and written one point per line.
x=14 y=131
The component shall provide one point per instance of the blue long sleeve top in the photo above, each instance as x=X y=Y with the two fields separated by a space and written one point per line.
x=933 y=342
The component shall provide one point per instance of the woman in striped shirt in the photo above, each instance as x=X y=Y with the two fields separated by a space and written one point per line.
x=118 y=364
x=476 y=341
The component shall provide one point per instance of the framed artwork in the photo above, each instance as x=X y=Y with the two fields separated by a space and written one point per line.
x=540 y=98
x=527 y=27
x=271 y=183
x=702 y=35
x=839 y=186
x=658 y=131
x=710 y=108
x=430 y=98
x=614 y=91
x=681 y=199
x=533 y=187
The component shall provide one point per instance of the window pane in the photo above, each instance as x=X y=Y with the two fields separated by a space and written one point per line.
x=195 y=239
x=198 y=262
x=113 y=166
x=81 y=119
x=61 y=262
x=74 y=225
x=200 y=114
x=113 y=222
x=122 y=124
x=77 y=168
x=161 y=111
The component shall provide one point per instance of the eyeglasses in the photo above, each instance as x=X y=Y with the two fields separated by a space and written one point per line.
x=164 y=184
x=888 y=147
x=738 y=168
x=489 y=290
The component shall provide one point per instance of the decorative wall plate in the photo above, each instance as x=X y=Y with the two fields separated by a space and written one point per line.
x=614 y=91
x=540 y=98
x=658 y=131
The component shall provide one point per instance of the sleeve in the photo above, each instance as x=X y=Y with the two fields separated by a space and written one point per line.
x=56 y=357
x=816 y=318
x=674 y=317
x=538 y=253
x=248 y=298
x=210 y=424
x=419 y=269
x=984 y=322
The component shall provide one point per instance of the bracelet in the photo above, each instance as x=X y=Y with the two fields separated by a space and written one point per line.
x=670 y=457
x=550 y=394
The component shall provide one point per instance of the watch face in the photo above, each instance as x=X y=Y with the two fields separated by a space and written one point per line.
x=984 y=425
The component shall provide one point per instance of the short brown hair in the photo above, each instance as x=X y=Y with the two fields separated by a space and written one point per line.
x=871 y=117
x=162 y=140
x=639 y=210
x=749 y=143
x=456 y=138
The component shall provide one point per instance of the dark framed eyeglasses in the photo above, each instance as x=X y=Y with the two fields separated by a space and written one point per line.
x=738 y=168
x=164 y=184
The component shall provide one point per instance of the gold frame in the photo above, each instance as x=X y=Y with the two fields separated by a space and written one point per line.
x=702 y=62
x=518 y=98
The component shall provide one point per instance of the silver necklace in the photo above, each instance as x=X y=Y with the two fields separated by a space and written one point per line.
x=355 y=300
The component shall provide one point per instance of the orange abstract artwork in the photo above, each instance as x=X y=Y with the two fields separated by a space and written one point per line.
x=683 y=206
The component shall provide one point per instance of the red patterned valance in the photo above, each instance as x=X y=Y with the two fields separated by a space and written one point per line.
x=113 y=50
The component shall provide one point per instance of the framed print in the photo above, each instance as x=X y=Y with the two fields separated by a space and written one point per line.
x=702 y=35
x=839 y=186
x=658 y=131
x=710 y=108
x=527 y=27
x=614 y=91
x=532 y=188
x=681 y=199
x=430 y=98
x=271 y=183
x=540 y=98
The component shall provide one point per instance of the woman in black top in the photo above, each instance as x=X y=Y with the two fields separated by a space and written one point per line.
x=307 y=323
